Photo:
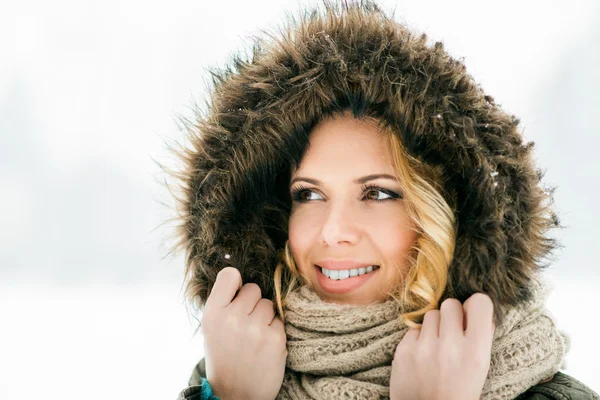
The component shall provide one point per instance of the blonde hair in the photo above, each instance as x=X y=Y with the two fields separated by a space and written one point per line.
x=425 y=280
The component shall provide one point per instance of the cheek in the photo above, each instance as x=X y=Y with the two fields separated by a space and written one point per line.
x=398 y=243
x=393 y=232
x=302 y=230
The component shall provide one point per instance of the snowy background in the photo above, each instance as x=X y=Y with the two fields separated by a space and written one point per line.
x=90 y=306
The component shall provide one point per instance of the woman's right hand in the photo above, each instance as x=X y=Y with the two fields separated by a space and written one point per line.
x=244 y=342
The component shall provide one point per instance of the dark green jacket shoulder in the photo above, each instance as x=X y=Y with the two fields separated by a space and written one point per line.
x=561 y=387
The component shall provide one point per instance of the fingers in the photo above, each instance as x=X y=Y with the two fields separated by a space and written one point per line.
x=479 y=311
x=264 y=311
x=447 y=321
x=431 y=325
x=451 y=318
x=277 y=323
x=247 y=299
x=228 y=282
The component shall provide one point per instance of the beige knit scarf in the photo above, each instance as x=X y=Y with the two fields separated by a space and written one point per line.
x=346 y=351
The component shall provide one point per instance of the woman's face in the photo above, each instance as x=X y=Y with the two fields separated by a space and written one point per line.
x=346 y=215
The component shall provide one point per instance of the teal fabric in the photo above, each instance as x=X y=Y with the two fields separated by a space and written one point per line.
x=206 y=391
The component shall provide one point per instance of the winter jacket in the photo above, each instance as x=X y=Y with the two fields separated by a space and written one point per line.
x=561 y=387
x=235 y=204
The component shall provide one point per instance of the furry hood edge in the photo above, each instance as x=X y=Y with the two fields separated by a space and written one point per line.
x=233 y=208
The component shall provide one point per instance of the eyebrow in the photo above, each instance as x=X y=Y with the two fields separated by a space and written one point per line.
x=357 y=181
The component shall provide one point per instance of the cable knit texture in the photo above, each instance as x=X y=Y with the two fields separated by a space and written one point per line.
x=346 y=351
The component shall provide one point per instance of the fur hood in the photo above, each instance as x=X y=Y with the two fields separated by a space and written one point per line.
x=235 y=201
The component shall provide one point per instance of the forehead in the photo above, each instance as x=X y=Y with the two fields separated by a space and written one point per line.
x=346 y=142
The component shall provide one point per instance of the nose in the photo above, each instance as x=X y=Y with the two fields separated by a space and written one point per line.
x=340 y=226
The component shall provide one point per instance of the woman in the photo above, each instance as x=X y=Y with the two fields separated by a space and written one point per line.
x=384 y=219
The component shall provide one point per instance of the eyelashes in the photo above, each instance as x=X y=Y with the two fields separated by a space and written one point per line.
x=297 y=194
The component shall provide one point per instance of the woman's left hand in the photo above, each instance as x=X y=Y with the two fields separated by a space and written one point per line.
x=449 y=357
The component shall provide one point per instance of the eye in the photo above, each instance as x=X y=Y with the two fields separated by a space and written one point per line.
x=372 y=193
x=303 y=195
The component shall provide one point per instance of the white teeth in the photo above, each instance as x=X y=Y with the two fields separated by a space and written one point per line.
x=343 y=274
x=346 y=273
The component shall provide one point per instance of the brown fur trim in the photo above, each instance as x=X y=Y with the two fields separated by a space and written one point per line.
x=356 y=57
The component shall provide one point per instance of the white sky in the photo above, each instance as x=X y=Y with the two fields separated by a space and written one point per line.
x=89 y=93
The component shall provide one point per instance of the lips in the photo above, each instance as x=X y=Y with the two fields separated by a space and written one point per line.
x=344 y=264
x=335 y=274
x=344 y=285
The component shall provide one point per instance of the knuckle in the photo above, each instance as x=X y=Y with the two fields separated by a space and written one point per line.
x=430 y=316
x=278 y=324
x=253 y=288
x=481 y=299
x=266 y=301
x=228 y=272
x=450 y=303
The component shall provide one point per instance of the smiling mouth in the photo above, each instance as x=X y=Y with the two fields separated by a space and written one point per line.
x=345 y=283
x=348 y=273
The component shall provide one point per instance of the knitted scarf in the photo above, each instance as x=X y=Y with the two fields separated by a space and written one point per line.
x=345 y=351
